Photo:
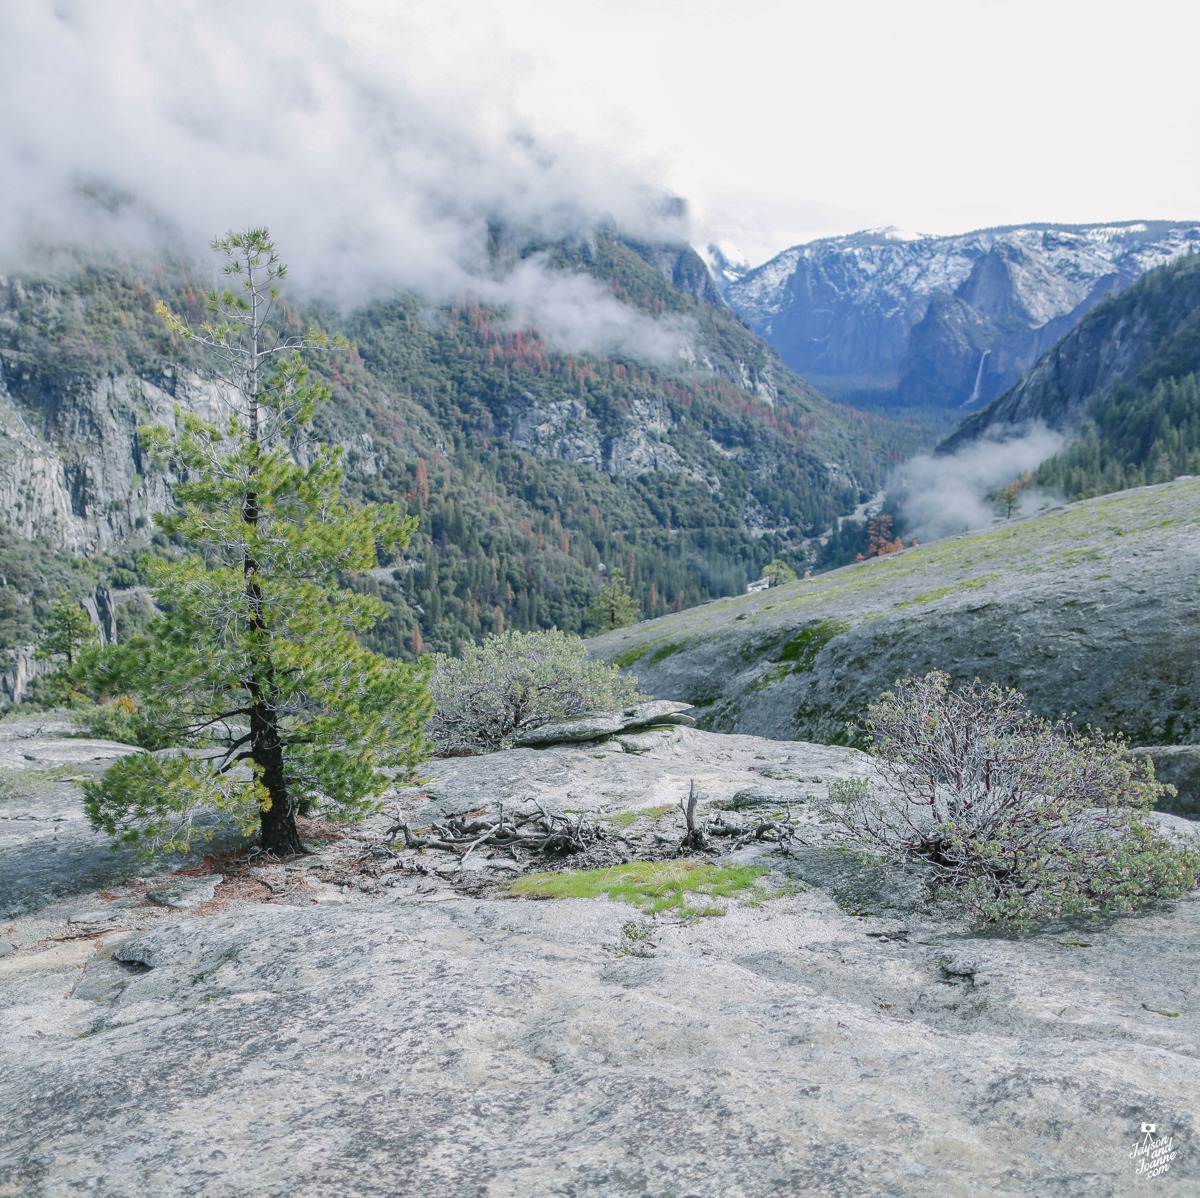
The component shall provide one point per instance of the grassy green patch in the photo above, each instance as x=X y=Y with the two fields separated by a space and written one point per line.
x=798 y=654
x=801 y=651
x=623 y=819
x=651 y=886
x=626 y=659
x=665 y=651
x=970 y=584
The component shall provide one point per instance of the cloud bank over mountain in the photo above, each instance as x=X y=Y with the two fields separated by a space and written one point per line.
x=380 y=147
x=944 y=494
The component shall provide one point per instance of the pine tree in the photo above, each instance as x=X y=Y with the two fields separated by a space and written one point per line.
x=256 y=647
x=778 y=572
x=614 y=607
x=67 y=632
x=67 y=636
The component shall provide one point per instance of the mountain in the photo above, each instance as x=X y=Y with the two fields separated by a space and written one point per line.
x=1124 y=384
x=1089 y=608
x=533 y=469
x=886 y=318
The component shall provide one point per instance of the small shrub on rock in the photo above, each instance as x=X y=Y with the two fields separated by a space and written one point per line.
x=515 y=681
x=1019 y=817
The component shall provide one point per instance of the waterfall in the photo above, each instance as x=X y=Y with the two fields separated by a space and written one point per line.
x=974 y=397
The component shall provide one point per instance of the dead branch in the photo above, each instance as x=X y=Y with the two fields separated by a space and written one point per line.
x=539 y=831
x=694 y=838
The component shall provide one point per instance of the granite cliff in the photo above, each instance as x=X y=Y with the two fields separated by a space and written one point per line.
x=891 y=318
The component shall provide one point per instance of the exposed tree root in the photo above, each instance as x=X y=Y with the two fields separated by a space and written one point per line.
x=538 y=831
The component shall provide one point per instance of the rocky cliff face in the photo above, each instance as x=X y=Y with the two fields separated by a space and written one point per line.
x=72 y=467
x=1148 y=334
x=681 y=266
x=948 y=321
x=71 y=464
x=1087 y=609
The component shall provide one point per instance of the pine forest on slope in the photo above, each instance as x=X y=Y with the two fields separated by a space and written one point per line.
x=533 y=471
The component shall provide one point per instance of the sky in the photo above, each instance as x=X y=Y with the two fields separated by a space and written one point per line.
x=784 y=120
x=377 y=139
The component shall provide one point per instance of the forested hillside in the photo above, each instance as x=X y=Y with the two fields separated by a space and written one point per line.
x=535 y=472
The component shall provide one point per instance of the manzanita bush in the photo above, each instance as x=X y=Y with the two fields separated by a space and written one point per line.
x=515 y=681
x=1021 y=818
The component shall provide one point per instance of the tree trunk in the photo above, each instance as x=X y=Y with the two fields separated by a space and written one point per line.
x=279 y=833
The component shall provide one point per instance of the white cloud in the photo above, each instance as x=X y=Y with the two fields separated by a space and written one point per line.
x=376 y=141
x=942 y=495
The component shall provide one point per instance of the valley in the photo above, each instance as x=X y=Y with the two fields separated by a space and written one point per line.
x=599 y=601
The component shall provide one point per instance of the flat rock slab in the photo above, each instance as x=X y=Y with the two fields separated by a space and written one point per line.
x=513 y=1049
x=657 y=711
x=606 y=778
x=391 y=1037
x=48 y=851
x=581 y=728
x=50 y=753
x=186 y=892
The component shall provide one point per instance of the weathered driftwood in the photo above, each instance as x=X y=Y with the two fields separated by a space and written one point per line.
x=694 y=838
x=538 y=831
x=698 y=833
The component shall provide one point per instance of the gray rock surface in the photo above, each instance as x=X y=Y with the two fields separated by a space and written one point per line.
x=570 y=731
x=1088 y=609
x=327 y=1027
x=606 y=778
x=185 y=893
x=48 y=851
x=600 y=725
x=657 y=711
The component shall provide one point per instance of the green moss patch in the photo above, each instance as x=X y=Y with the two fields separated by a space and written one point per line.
x=626 y=659
x=970 y=584
x=801 y=651
x=799 y=654
x=651 y=886
x=625 y=819
x=665 y=651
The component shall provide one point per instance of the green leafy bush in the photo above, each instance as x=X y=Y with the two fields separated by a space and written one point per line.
x=1019 y=817
x=515 y=681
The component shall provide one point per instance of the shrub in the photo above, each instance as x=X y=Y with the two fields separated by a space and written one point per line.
x=122 y=720
x=1020 y=818
x=515 y=681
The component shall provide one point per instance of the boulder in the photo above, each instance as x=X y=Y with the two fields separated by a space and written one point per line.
x=757 y=796
x=646 y=740
x=657 y=711
x=571 y=731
